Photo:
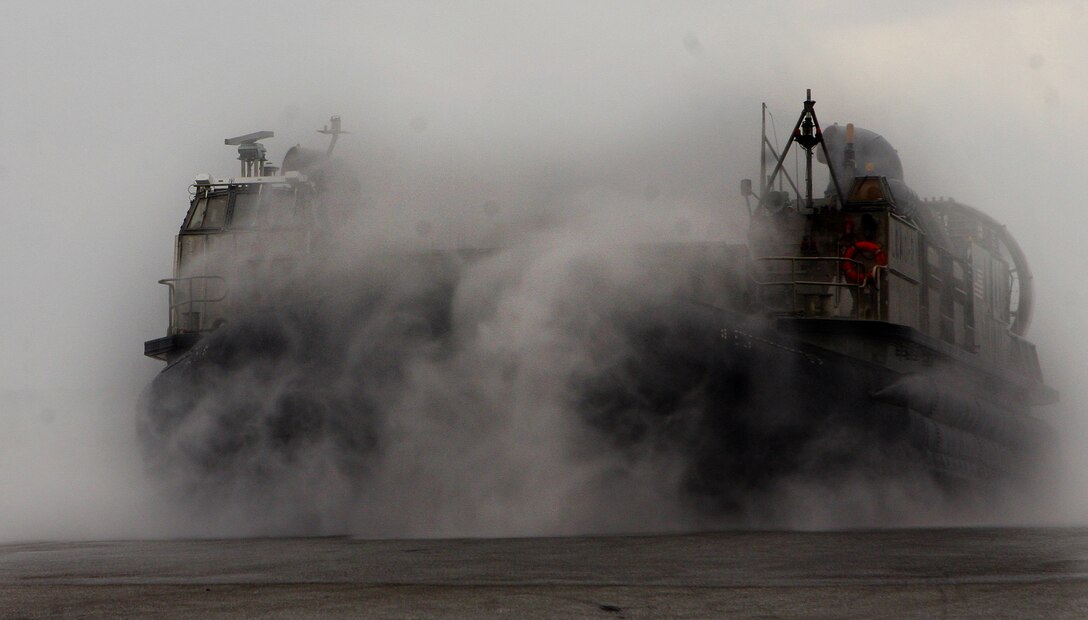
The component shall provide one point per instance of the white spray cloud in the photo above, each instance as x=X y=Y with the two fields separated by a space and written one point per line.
x=101 y=133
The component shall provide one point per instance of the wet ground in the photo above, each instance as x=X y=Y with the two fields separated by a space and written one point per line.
x=991 y=573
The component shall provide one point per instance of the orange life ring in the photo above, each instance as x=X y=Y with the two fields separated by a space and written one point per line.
x=850 y=271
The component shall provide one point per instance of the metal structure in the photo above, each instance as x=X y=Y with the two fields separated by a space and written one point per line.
x=864 y=328
x=238 y=231
x=932 y=297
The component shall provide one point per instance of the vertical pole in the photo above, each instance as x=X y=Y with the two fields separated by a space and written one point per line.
x=808 y=177
x=763 y=154
x=808 y=152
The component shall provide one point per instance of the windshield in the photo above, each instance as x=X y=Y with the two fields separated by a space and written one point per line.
x=266 y=207
x=245 y=210
x=208 y=212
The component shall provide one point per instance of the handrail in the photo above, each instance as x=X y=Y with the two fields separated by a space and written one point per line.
x=175 y=324
x=833 y=274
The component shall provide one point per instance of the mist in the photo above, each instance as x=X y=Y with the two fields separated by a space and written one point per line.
x=567 y=127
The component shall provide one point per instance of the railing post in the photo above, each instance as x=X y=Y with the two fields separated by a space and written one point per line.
x=793 y=278
x=190 y=303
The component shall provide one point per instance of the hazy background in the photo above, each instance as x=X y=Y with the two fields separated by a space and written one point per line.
x=108 y=110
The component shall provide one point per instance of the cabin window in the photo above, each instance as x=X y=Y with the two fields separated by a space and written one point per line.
x=209 y=212
x=264 y=207
x=868 y=189
x=244 y=214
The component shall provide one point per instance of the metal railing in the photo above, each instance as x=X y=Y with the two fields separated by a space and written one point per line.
x=194 y=318
x=813 y=286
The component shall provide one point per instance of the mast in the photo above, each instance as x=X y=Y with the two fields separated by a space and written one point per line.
x=807 y=126
x=808 y=135
x=332 y=129
x=763 y=154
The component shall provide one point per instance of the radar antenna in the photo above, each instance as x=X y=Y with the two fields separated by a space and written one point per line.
x=332 y=129
x=250 y=152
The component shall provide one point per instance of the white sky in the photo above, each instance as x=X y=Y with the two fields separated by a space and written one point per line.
x=109 y=108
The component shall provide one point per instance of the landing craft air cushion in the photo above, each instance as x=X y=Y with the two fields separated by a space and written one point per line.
x=866 y=330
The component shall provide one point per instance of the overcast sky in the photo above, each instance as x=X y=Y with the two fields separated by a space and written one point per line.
x=109 y=108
